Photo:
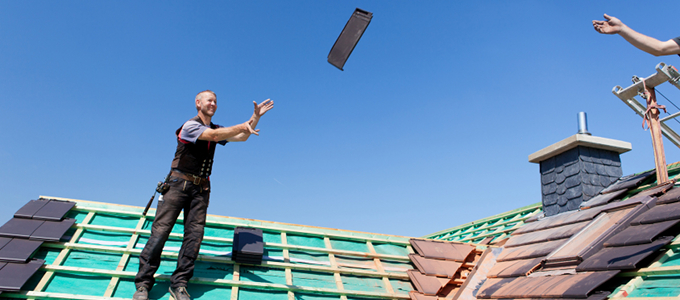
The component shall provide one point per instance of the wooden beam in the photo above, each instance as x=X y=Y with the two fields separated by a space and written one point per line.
x=229 y=240
x=232 y=283
x=225 y=260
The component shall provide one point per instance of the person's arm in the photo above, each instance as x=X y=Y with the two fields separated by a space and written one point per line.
x=236 y=133
x=612 y=25
x=259 y=111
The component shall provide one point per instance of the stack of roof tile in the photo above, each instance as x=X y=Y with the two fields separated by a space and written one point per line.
x=575 y=255
x=37 y=221
x=442 y=268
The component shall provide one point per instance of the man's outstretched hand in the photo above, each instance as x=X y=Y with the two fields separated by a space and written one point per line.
x=262 y=108
x=611 y=25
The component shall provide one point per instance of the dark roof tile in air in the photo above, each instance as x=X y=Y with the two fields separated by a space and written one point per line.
x=435 y=267
x=551 y=234
x=669 y=197
x=30 y=208
x=428 y=285
x=54 y=210
x=530 y=250
x=21 y=228
x=629 y=182
x=514 y=268
x=52 y=231
x=18 y=250
x=14 y=275
x=442 y=250
x=639 y=234
x=603 y=199
x=659 y=213
x=561 y=286
x=621 y=258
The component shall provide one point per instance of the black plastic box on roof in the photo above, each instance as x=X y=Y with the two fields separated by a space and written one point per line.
x=248 y=246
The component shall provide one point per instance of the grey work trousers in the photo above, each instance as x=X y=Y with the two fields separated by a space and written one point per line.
x=193 y=199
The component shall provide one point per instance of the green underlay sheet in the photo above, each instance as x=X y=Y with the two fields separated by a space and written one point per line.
x=658 y=286
x=82 y=284
x=102 y=219
x=262 y=274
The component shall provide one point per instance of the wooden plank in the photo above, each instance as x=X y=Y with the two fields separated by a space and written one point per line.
x=378 y=266
x=124 y=258
x=229 y=240
x=334 y=265
x=270 y=264
x=44 y=295
x=232 y=283
x=236 y=277
x=47 y=277
x=670 y=270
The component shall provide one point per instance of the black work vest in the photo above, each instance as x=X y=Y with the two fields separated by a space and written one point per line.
x=194 y=158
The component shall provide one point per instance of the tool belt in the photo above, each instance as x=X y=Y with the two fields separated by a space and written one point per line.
x=196 y=180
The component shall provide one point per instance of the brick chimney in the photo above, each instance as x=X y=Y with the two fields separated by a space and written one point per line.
x=577 y=168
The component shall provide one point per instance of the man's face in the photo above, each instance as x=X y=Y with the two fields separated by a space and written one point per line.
x=207 y=104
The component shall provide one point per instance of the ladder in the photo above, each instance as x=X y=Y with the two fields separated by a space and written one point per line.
x=663 y=73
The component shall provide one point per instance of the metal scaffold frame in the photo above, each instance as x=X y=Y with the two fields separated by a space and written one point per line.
x=663 y=74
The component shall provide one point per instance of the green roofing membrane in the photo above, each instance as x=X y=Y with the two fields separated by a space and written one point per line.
x=100 y=257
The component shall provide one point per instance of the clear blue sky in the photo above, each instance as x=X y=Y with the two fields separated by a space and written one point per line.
x=428 y=127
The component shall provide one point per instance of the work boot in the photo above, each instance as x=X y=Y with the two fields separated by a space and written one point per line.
x=141 y=294
x=180 y=293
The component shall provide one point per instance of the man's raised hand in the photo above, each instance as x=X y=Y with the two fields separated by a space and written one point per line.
x=262 y=108
x=611 y=25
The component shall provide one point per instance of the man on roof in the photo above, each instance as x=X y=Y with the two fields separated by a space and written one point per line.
x=189 y=190
x=612 y=25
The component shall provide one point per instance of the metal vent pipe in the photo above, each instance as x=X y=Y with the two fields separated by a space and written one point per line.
x=583 y=123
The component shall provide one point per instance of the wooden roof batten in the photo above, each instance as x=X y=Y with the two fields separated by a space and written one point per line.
x=383 y=265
